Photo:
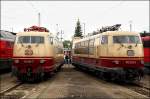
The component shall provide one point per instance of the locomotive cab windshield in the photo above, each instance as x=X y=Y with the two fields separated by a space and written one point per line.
x=126 y=39
x=31 y=39
x=125 y=42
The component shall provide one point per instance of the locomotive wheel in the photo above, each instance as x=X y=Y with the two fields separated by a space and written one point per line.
x=59 y=68
x=96 y=73
x=113 y=76
x=107 y=76
x=138 y=78
x=47 y=75
x=37 y=78
x=21 y=77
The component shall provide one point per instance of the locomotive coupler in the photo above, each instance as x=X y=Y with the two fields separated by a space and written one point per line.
x=29 y=71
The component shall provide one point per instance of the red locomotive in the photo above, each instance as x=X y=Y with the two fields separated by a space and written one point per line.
x=146 y=44
x=6 y=49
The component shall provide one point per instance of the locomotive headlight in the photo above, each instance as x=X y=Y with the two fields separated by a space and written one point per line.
x=116 y=62
x=42 y=61
x=16 y=61
x=142 y=62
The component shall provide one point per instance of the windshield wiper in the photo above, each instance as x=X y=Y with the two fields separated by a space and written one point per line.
x=120 y=43
x=21 y=43
x=136 y=44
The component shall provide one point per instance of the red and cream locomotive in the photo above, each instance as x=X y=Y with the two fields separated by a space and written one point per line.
x=115 y=55
x=37 y=53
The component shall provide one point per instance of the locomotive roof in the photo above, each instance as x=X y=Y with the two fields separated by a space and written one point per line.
x=146 y=38
x=109 y=33
x=34 y=33
x=6 y=35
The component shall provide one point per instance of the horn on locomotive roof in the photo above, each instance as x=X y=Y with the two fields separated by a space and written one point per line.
x=36 y=28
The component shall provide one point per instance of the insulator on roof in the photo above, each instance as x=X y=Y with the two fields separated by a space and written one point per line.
x=36 y=28
x=110 y=28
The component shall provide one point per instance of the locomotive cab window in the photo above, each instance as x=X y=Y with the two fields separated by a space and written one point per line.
x=104 y=39
x=37 y=39
x=126 y=39
x=31 y=39
x=91 y=42
x=24 y=39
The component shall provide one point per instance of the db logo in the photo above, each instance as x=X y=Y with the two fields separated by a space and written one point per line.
x=28 y=52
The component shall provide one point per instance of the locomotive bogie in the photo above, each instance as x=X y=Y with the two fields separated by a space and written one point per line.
x=5 y=63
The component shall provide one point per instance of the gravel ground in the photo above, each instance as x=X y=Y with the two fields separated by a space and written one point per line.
x=7 y=81
x=70 y=83
x=145 y=81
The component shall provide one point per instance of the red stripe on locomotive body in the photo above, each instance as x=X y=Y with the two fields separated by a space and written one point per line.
x=121 y=57
x=112 y=62
x=34 y=63
x=25 y=57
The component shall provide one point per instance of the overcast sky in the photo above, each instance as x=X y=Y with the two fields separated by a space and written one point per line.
x=16 y=15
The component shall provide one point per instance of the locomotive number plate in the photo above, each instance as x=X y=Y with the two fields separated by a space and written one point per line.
x=28 y=61
x=130 y=62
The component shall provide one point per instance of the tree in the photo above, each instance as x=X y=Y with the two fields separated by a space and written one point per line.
x=78 y=31
x=67 y=44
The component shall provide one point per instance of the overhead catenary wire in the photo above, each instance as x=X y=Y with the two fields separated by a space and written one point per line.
x=30 y=3
x=108 y=10
x=36 y=11
x=112 y=7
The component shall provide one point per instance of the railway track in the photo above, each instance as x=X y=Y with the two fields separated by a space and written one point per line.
x=10 y=89
x=68 y=84
x=140 y=88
